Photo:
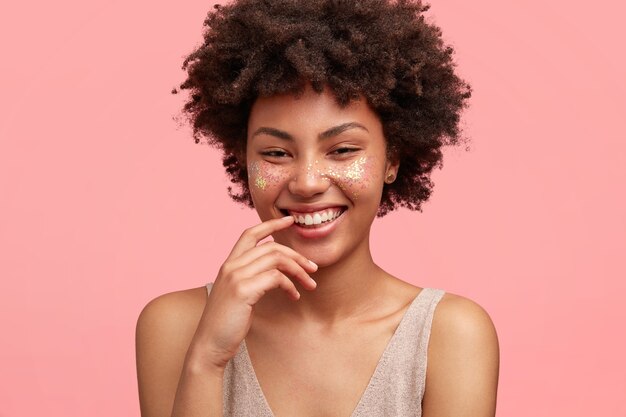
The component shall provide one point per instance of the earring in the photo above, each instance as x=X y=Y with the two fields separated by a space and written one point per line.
x=390 y=178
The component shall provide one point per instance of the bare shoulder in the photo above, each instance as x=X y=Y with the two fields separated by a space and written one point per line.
x=164 y=331
x=172 y=308
x=458 y=317
x=463 y=360
x=170 y=320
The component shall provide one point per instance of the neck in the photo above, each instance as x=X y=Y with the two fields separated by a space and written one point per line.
x=344 y=289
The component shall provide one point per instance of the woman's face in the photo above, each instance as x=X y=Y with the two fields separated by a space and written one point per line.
x=323 y=164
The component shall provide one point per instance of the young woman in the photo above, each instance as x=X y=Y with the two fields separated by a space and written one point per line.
x=329 y=113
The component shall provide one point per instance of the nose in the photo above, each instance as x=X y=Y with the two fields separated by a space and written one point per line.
x=309 y=179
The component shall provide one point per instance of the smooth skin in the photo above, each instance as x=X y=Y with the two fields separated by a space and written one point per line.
x=314 y=332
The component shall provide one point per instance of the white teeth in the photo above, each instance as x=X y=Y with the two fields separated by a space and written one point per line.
x=316 y=218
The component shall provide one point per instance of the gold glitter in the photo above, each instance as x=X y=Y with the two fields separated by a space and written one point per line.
x=264 y=175
x=351 y=177
x=260 y=182
x=355 y=170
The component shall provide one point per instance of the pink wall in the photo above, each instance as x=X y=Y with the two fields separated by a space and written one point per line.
x=105 y=204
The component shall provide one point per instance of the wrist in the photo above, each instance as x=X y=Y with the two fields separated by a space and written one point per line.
x=201 y=361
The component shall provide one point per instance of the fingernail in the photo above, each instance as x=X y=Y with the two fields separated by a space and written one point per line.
x=313 y=263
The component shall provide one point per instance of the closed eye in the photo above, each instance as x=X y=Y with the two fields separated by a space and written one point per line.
x=344 y=150
x=274 y=153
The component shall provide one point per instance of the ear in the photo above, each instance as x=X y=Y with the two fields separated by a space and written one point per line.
x=391 y=170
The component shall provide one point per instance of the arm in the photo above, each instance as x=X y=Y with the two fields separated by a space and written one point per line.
x=463 y=361
x=185 y=340
x=172 y=381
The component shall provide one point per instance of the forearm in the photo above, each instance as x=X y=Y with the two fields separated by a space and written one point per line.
x=199 y=392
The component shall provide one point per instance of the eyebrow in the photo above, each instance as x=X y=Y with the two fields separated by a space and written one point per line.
x=329 y=133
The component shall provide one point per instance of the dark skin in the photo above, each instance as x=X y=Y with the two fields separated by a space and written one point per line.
x=314 y=333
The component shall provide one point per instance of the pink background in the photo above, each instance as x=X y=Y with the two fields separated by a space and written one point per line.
x=106 y=204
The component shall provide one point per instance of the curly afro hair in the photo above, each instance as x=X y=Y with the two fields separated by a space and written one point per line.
x=384 y=51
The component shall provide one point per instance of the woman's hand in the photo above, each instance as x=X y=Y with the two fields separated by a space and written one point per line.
x=250 y=271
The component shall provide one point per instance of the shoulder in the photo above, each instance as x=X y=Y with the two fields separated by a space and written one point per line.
x=165 y=328
x=173 y=307
x=170 y=320
x=458 y=317
x=463 y=360
x=461 y=327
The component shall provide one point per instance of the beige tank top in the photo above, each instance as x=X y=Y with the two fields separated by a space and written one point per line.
x=395 y=389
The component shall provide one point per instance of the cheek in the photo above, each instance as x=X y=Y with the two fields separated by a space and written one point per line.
x=355 y=178
x=264 y=177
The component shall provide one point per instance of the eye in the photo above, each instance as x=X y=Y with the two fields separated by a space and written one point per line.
x=274 y=153
x=344 y=150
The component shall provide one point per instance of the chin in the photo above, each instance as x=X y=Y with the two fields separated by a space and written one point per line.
x=321 y=258
x=322 y=255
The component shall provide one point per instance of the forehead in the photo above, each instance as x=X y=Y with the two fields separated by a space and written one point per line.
x=311 y=112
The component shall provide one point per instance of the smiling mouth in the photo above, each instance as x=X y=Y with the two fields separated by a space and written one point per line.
x=315 y=219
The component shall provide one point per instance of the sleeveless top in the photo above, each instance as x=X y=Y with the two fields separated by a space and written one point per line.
x=395 y=389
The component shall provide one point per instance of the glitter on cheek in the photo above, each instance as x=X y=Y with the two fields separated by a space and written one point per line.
x=263 y=175
x=260 y=182
x=352 y=178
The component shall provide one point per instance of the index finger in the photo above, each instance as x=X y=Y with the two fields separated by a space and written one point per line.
x=253 y=235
